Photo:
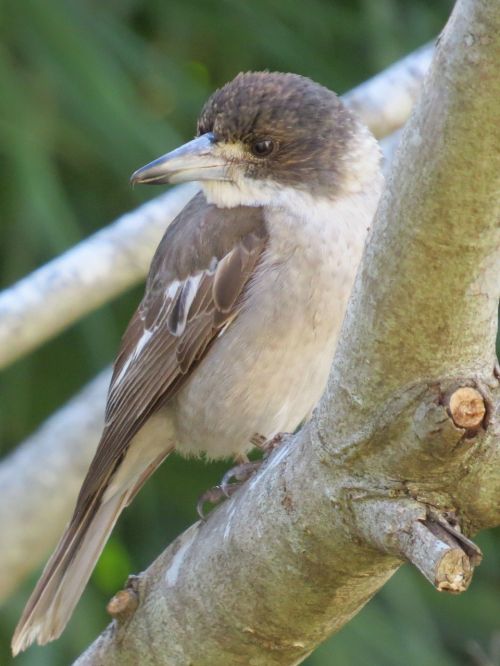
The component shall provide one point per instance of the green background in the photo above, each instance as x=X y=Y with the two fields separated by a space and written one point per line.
x=89 y=91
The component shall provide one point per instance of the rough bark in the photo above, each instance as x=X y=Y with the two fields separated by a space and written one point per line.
x=384 y=472
x=120 y=255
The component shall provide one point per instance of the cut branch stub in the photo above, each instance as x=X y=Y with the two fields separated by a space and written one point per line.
x=409 y=530
x=124 y=603
x=447 y=415
x=467 y=408
x=445 y=565
x=453 y=572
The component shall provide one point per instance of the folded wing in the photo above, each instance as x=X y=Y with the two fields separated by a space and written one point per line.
x=195 y=288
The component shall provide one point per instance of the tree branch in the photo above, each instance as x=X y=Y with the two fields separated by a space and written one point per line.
x=385 y=101
x=384 y=471
x=99 y=268
x=39 y=482
x=88 y=275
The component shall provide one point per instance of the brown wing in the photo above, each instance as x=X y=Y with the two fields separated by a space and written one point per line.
x=174 y=326
x=195 y=288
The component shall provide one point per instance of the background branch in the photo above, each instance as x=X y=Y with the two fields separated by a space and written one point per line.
x=386 y=100
x=40 y=480
x=382 y=471
x=88 y=275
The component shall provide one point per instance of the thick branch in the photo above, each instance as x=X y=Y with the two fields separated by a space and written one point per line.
x=382 y=471
x=288 y=561
x=435 y=306
x=106 y=264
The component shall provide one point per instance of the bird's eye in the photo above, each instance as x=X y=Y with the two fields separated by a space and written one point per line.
x=262 y=147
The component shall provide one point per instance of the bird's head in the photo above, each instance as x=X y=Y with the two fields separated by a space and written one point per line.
x=264 y=133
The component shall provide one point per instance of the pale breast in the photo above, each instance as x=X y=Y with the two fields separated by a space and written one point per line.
x=267 y=371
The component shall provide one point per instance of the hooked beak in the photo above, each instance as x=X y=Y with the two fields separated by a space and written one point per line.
x=195 y=160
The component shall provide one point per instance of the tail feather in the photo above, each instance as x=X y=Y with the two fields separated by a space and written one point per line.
x=66 y=574
x=68 y=570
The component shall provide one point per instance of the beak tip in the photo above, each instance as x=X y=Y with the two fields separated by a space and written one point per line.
x=188 y=162
x=135 y=178
x=149 y=175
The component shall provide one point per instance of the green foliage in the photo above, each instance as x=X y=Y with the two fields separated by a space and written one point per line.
x=88 y=92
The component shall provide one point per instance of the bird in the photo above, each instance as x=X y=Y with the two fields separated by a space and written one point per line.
x=242 y=308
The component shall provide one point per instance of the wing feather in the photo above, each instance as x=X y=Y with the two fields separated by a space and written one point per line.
x=196 y=287
x=169 y=334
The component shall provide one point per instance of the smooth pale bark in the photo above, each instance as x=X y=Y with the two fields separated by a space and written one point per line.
x=40 y=480
x=101 y=267
x=107 y=263
x=385 y=101
x=383 y=472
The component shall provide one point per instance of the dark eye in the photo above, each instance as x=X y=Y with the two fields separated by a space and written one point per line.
x=262 y=147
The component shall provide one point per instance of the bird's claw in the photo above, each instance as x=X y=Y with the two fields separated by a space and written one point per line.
x=238 y=474
x=213 y=495
x=225 y=489
x=267 y=446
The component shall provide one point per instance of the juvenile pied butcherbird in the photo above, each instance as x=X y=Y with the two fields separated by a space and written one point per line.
x=245 y=296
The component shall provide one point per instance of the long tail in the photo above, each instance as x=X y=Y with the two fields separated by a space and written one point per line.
x=68 y=570
x=65 y=576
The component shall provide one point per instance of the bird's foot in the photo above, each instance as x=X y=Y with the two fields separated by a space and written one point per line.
x=267 y=446
x=245 y=468
x=240 y=473
x=237 y=475
x=213 y=496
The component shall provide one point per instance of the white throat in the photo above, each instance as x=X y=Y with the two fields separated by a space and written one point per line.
x=244 y=192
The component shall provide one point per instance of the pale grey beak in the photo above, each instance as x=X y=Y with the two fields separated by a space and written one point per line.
x=192 y=161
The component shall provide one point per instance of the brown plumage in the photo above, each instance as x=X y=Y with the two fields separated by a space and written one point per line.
x=310 y=123
x=181 y=331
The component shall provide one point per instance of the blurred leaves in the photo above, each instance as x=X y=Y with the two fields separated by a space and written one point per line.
x=91 y=90
x=113 y=567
